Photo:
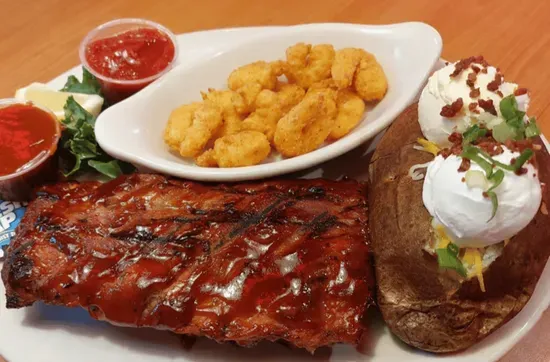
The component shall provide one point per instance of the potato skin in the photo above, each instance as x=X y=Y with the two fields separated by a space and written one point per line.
x=426 y=308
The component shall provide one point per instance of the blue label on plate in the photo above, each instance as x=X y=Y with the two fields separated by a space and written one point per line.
x=10 y=216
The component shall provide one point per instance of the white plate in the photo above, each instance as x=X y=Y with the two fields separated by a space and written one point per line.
x=46 y=333
x=133 y=130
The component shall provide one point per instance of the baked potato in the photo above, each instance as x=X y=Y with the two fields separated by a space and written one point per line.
x=426 y=307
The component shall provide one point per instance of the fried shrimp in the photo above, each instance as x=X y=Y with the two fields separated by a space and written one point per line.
x=345 y=65
x=249 y=80
x=271 y=107
x=350 y=111
x=207 y=159
x=307 y=125
x=190 y=127
x=232 y=107
x=370 y=82
x=308 y=64
x=245 y=148
x=179 y=122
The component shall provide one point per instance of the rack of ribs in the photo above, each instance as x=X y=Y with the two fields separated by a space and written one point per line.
x=279 y=260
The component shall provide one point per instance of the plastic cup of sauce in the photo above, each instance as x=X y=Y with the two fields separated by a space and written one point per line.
x=28 y=140
x=126 y=55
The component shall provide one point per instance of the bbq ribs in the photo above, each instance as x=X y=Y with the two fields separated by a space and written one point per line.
x=278 y=260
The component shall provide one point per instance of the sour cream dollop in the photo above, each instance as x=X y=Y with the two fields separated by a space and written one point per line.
x=443 y=90
x=465 y=213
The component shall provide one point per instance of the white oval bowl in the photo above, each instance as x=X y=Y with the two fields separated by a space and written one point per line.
x=133 y=129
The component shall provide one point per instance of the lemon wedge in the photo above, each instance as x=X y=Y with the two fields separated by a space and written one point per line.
x=54 y=100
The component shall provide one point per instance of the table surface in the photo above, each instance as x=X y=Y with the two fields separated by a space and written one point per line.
x=40 y=40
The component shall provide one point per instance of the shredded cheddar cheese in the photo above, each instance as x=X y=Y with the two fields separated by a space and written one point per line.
x=428 y=146
x=472 y=256
x=444 y=240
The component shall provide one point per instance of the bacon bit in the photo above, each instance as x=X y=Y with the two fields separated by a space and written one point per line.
x=472 y=107
x=537 y=147
x=463 y=179
x=488 y=106
x=512 y=161
x=453 y=109
x=455 y=138
x=519 y=146
x=499 y=94
x=484 y=70
x=493 y=85
x=520 y=91
x=485 y=194
x=543 y=208
x=521 y=171
x=475 y=68
x=474 y=93
x=447 y=63
x=445 y=152
x=464 y=64
x=464 y=165
x=490 y=146
x=456 y=149
x=472 y=77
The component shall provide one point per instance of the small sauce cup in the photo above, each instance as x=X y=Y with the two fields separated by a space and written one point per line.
x=40 y=165
x=114 y=86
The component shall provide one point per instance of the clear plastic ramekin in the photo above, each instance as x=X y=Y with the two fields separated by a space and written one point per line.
x=18 y=186
x=113 y=89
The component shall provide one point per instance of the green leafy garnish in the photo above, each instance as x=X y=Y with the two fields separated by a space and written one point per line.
x=474 y=154
x=496 y=178
x=509 y=108
x=494 y=200
x=448 y=259
x=532 y=129
x=79 y=141
x=89 y=84
x=503 y=132
x=523 y=157
x=472 y=134
x=514 y=127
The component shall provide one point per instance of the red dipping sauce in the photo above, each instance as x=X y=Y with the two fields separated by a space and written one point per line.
x=128 y=54
x=28 y=140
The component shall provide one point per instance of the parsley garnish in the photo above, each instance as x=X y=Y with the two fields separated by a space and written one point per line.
x=89 y=84
x=79 y=140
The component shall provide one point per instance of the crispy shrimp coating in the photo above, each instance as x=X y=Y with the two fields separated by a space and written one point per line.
x=245 y=148
x=179 y=122
x=207 y=159
x=232 y=107
x=350 y=112
x=307 y=125
x=345 y=65
x=271 y=107
x=370 y=82
x=308 y=64
x=249 y=80
x=191 y=126
x=261 y=72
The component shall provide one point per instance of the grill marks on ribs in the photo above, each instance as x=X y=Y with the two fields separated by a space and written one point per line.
x=276 y=260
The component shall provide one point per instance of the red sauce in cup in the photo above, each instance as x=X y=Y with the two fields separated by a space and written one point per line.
x=28 y=140
x=126 y=55
x=134 y=54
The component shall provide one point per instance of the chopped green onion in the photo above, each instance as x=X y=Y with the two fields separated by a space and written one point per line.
x=524 y=157
x=495 y=162
x=448 y=259
x=509 y=107
x=472 y=134
x=494 y=200
x=473 y=154
x=503 y=132
x=496 y=179
x=532 y=129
